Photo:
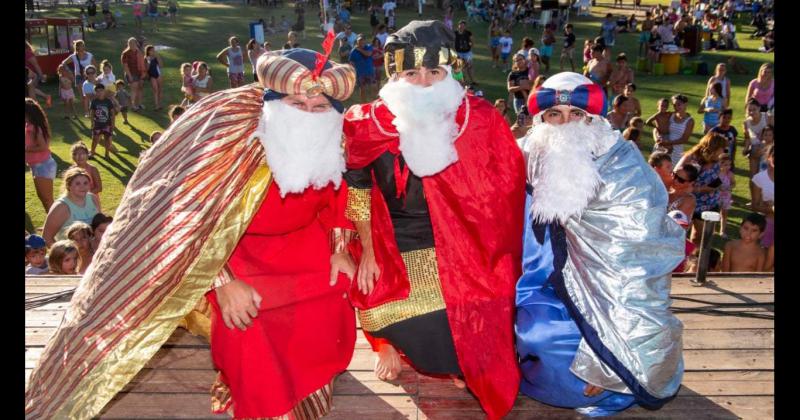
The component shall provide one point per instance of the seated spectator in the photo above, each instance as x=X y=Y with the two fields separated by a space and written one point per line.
x=100 y=223
x=80 y=155
x=769 y=263
x=746 y=254
x=35 y=250
x=81 y=234
x=76 y=204
x=683 y=221
x=63 y=258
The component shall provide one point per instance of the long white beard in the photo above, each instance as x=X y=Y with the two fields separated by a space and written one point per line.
x=425 y=117
x=561 y=166
x=303 y=148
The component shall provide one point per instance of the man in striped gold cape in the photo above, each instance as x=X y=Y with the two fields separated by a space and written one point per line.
x=202 y=217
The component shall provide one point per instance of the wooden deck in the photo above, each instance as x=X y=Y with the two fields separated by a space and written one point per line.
x=728 y=353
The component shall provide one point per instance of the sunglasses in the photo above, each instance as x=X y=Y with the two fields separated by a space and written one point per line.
x=678 y=178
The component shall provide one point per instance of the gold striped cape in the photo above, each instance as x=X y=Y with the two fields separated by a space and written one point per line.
x=182 y=213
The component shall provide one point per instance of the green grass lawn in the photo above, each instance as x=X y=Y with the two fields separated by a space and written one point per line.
x=202 y=31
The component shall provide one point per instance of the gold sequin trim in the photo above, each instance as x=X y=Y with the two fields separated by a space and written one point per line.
x=358 y=204
x=425 y=297
x=313 y=407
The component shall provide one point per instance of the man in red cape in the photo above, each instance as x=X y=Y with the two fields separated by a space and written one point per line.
x=436 y=190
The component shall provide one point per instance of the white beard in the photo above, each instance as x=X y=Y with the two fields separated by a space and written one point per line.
x=561 y=166
x=303 y=148
x=425 y=117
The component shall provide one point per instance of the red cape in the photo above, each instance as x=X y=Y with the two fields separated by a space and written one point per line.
x=476 y=207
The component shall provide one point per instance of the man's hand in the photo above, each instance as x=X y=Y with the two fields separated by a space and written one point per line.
x=368 y=272
x=341 y=262
x=239 y=304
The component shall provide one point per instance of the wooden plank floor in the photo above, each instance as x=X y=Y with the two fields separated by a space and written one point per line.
x=728 y=354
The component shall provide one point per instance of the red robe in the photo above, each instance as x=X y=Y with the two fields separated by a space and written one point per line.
x=476 y=207
x=304 y=334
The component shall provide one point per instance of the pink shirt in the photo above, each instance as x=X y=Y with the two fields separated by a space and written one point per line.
x=137 y=9
x=33 y=158
x=763 y=96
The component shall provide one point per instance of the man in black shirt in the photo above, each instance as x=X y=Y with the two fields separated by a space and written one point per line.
x=463 y=47
x=569 y=47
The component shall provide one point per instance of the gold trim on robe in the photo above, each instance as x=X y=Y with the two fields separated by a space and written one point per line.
x=425 y=296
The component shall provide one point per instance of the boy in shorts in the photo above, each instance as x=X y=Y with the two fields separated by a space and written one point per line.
x=123 y=99
x=569 y=48
x=102 y=111
x=546 y=50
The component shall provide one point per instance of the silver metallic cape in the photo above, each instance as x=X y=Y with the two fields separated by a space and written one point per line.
x=622 y=251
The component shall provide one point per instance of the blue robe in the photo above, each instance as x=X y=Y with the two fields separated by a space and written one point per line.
x=622 y=247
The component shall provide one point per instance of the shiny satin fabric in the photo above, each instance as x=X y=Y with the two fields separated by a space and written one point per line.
x=622 y=251
x=618 y=256
x=183 y=211
x=547 y=337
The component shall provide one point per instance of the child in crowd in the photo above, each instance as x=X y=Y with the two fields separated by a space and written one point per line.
x=137 y=14
x=767 y=139
x=506 y=42
x=81 y=234
x=660 y=120
x=90 y=73
x=201 y=81
x=66 y=82
x=63 y=258
x=502 y=107
x=107 y=77
x=100 y=223
x=154 y=136
x=123 y=99
x=458 y=71
x=725 y=191
x=80 y=156
x=569 y=48
x=746 y=254
x=633 y=135
x=174 y=112
x=186 y=85
x=637 y=123
x=587 y=51
x=35 y=250
x=632 y=105
x=710 y=106
x=103 y=111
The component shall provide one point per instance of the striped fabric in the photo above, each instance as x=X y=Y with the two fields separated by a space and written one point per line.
x=183 y=211
x=285 y=75
x=313 y=407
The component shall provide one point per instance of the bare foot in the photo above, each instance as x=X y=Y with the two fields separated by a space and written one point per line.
x=387 y=364
x=458 y=382
x=592 y=391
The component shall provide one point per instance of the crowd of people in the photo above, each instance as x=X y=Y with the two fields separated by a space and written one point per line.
x=699 y=179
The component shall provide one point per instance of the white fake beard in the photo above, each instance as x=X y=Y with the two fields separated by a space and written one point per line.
x=561 y=166
x=303 y=148
x=425 y=117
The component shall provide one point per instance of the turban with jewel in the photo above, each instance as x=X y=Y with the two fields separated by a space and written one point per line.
x=295 y=72
x=571 y=89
